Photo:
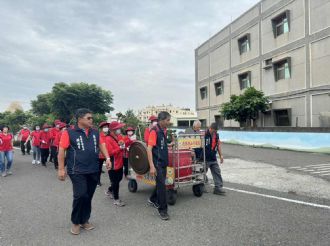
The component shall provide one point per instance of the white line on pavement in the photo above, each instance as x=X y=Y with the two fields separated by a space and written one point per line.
x=327 y=174
x=280 y=198
x=319 y=165
x=323 y=169
x=320 y=172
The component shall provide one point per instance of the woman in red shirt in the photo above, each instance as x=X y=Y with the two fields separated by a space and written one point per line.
x=6 y=152
x=35 y=139
x=45 y=140
x=104 y=133
x=116 y=147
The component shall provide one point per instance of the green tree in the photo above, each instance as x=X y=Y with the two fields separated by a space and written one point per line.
x=64 y=99
x=245 y=107
x=13 y=120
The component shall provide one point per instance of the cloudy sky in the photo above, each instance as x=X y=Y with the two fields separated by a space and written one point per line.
x=143 y=51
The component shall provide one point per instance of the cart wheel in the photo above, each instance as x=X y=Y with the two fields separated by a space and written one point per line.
x=132 y=185
x=171 y=197
x=198 y=190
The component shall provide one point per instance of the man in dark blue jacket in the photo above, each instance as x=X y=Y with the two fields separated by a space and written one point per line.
x=212 y=147
x=158 y=162
x=79 y=148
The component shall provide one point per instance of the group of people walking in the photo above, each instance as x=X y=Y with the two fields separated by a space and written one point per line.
x=80 y=152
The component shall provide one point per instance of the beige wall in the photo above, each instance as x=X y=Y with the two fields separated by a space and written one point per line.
x=320 y=60
x=266 y=4
x=298 y=74
x=255 y=79
x=225 y=97
x=254 y=46
x=320 y=104
x=219 y=36
x=298 y=107
x=319 y=15
x=220 y=59
x=245 y=18
x=297 y=27
x=205 y=102
x=203 y=68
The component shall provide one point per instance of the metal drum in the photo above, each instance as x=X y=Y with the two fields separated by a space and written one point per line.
x=138 y=157
x=182 y=161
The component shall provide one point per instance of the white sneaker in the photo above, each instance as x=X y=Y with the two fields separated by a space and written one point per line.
x=38 y=162
x=4 y=174
x=119 y=203
x=9 y=172
x=34 y=162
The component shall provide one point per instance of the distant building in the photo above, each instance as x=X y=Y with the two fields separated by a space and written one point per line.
x=14 y=106
x=180 y=117
x=281 y=47
x=111 y=118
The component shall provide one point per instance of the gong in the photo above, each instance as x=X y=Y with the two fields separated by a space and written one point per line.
x=138 y=157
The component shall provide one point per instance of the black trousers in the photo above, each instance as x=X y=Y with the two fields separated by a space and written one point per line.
x=159 y=193
x=28 y=147
x=125 y=167
x=44 y=155
x=115 y=177
x=101 y=161
x=83 y=186
x=53 y=156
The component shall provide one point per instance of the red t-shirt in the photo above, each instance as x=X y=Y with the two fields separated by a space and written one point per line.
x=35 y=137
x=6 y=142
x=24 y=134
x=56 y=141
x=115 y=151
x=53 y=133
x=45 y=140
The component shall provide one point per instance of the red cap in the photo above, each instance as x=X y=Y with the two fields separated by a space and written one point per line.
x=62 y=125
x=46 y=126
x=114 y=125
x=129 y=129
x=103 y=123
x=57 y=121
x=153 y=118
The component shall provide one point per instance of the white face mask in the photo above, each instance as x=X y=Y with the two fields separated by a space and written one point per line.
x=37 y=128
x=154 y=123
x=118 y=131
x=105 y=129
x=57 y=126
x=24 y=127
x=130 y=133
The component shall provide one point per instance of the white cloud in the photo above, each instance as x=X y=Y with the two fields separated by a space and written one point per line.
x=143 y=51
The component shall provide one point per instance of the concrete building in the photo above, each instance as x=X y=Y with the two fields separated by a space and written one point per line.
x=281 y=47
x=180 y=117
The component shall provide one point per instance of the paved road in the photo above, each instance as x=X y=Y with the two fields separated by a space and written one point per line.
x=315 y=164
x=35 y=210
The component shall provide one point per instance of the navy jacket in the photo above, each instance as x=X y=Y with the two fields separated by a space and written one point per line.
x=211 y=153
x=83 y=154
x=160 y=150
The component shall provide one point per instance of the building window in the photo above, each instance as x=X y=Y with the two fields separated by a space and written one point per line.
x=282 y=117
x=203 y=92
x=244 y=80
x=218 y=88
x=244 y=44
x=281 y=24
x=282 y=69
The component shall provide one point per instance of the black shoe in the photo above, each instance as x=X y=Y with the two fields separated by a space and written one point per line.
x=220 y=192
x=154 y=204
x=28 y=153
x=164 y=215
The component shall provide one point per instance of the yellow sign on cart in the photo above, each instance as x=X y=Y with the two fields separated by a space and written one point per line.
x=189 y=143
x=149 y=180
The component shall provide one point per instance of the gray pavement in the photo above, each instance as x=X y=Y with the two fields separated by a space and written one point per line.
x=35 y=210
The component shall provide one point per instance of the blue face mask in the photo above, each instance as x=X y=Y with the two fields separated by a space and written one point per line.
x=46 y=130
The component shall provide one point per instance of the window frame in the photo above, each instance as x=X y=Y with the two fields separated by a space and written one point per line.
x=201 y=93
x=283 y=63
x=219 y=84
x=242 y=77
x=246 y=39
x=278 y=21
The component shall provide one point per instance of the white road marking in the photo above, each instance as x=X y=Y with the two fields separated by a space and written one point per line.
x=316 y=205
x=327 y=174
x=319 y=165
x=321 y=172
x=323 y=169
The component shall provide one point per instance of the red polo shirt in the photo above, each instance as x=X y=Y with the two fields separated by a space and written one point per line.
x=6 y=142
x=24 y=134
x=35 y=137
